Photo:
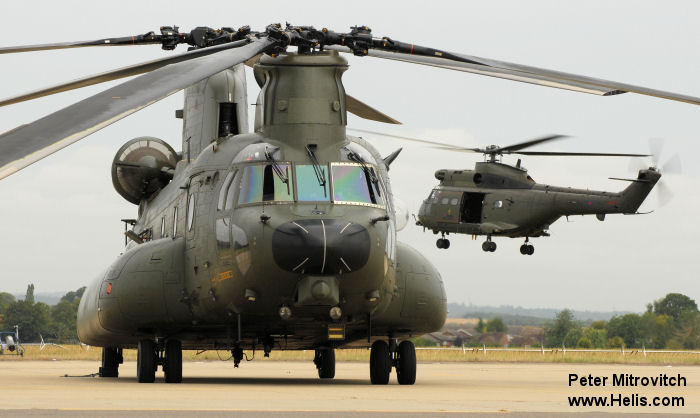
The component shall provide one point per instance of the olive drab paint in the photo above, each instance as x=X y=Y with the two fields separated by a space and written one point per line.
x=296 y=214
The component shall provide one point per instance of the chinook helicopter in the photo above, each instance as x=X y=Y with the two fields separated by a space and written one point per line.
x=497 y=199
x=284 y=238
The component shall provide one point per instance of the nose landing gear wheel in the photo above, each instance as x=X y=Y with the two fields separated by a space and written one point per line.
x=111 y=358
x=325 y=363
x=406 y=363
x=146 y=362
x=379 y=363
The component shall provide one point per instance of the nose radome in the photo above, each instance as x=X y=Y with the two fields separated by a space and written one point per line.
x=321 y=246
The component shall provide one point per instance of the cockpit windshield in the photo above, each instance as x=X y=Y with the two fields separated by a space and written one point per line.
x=347 y=183
x=356 y=183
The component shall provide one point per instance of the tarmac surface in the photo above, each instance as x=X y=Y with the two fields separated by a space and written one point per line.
x=292 y=389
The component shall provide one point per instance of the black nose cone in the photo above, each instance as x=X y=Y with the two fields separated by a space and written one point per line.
x=320 y=246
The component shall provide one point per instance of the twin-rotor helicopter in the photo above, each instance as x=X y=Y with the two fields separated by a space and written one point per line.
x=279 y=237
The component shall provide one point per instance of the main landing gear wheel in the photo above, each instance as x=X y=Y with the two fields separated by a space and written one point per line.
x=379 y=363
x=443 y=243
x=325 y=362
x=146 y=362
x=111 y=358
x=172 y=364
x=488 y=246
x=527 y=249
x=406 y=363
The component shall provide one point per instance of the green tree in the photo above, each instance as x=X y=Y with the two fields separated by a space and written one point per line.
x=584 y=342
x=32 y=318
x=480 y=326
x=597 y=336
x=423 y=342
x=599 y=324
x=29 y=296
x=572 y=337
x=556 y=332
x=616 y=342
x=63 y=325
x=495 y=325
x=631 y=328
x=687 y=333
x=675 y=305
x=73 y=296
x=5 y=300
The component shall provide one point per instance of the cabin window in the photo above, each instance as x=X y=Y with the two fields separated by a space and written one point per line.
x=224 y=189
x=263 y=183
x=190 y=213
x=354 y=183
x=175 y=221
x=498 y=204
x=454 y=201
x=445 y=200
x=309 y=187
x=162 y=227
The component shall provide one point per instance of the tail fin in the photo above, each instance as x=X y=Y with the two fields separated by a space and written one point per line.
x=635 y=193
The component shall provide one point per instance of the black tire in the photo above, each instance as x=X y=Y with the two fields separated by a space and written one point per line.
x=110 y=362
x=406 y=365
x=326 y=363
x=173 y=361
x=146 y=362
x=446 y=243
x=486 y=246
x=492 y=247
x=523 y=249
x=379 y=363
x=530 y=250
x=438 y=243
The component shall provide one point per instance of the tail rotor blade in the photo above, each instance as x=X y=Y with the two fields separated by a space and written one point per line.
x=673 y=165
x=665 y=194
x=656 y=147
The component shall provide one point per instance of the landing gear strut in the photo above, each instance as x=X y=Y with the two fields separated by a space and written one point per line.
x=526 y=248
x=443 y=243
x=384 y=356
x=488 y=245
x=325 y=362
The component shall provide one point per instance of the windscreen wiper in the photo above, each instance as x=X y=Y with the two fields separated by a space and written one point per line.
x=369 y=172
x=284 y=177
x=320 y=174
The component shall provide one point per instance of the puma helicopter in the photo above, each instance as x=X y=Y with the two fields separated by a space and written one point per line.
x=283 y=238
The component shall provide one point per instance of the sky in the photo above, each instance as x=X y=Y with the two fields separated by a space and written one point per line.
x=60 y=218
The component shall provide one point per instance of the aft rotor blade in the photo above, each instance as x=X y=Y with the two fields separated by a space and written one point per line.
x=29 y=143
x=123 y=72
x=366 y=111
x=406 y=138
x=577 y=154
x=532 y=142
x=522 y=73
x=149 y=38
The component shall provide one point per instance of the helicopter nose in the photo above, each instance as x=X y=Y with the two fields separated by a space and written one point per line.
x=320 y=246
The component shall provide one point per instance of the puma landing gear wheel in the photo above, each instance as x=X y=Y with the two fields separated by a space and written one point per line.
x=379 y=363
x=146 y=362
x=325 y=362
x=488 y=246
x=172 y=363
x=443 y=243
x=406 y=363
x=527 y=249
x=111 y=359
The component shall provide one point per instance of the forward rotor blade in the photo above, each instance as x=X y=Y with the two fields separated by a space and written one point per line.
x=577 y=154
x=366 y=111
x=123 y=72
x=29 y=143
x=406 y=138
x=532 y=142
x=148 y=38
x=524 y=73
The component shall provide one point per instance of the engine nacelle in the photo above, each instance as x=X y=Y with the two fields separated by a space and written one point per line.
x=141 y=167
